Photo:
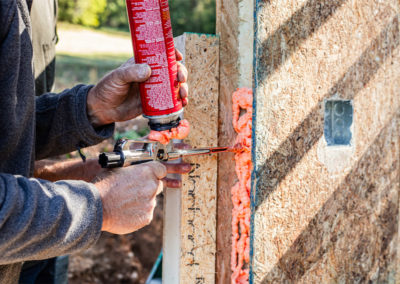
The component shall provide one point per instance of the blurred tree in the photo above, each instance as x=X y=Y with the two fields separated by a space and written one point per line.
x=83 y=12
x=89 y=12
x=115 y=15
x=187 y=15
x=66 y=10
x=193 y=16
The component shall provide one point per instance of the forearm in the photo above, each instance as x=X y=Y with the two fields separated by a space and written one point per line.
x=73 y=169
x=40 y=219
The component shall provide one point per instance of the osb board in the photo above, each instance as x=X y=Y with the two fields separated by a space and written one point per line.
x=235 y=22
x=321 y=215
x=199 y=191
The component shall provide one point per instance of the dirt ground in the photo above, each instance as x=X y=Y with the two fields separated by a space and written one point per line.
x=120 y=259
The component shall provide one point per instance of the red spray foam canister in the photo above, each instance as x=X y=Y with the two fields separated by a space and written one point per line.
x=153 y=43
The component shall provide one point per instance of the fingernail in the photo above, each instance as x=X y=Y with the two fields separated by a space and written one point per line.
x=144 y=71
x=180 y=79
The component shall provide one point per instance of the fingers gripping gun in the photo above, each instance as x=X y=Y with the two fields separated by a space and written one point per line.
x=132 y=152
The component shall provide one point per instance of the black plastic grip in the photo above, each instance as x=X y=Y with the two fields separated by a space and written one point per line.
x=165 y=126
x=111 y=160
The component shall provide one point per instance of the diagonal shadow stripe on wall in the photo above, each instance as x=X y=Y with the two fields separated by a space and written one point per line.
x=308 y=132
x=301 y=25
x=362 y=209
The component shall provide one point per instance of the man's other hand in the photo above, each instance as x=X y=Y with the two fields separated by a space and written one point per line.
x=129 y=194
x=116 y=97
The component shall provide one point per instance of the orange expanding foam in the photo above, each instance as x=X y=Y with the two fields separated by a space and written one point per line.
x=181 y=132
x=242 y=99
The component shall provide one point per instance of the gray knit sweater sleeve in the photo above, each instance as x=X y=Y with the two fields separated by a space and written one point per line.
x=62 y=123
x=39 y=219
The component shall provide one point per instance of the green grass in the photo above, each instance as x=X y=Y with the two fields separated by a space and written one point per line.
x=84 y=69
x=95 y=60
x=106 y=30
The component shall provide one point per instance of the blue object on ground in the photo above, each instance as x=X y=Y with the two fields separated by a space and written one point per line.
x=155 y=276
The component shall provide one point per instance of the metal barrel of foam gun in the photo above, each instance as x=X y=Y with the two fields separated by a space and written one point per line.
x=131 y=152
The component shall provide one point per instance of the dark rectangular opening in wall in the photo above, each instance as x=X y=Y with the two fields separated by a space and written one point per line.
x=338 y=120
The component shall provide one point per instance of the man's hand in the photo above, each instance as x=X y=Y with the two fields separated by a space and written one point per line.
x=129 y=194
x=116 y=97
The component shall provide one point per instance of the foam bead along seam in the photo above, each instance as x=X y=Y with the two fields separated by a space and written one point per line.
x=242 y=100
